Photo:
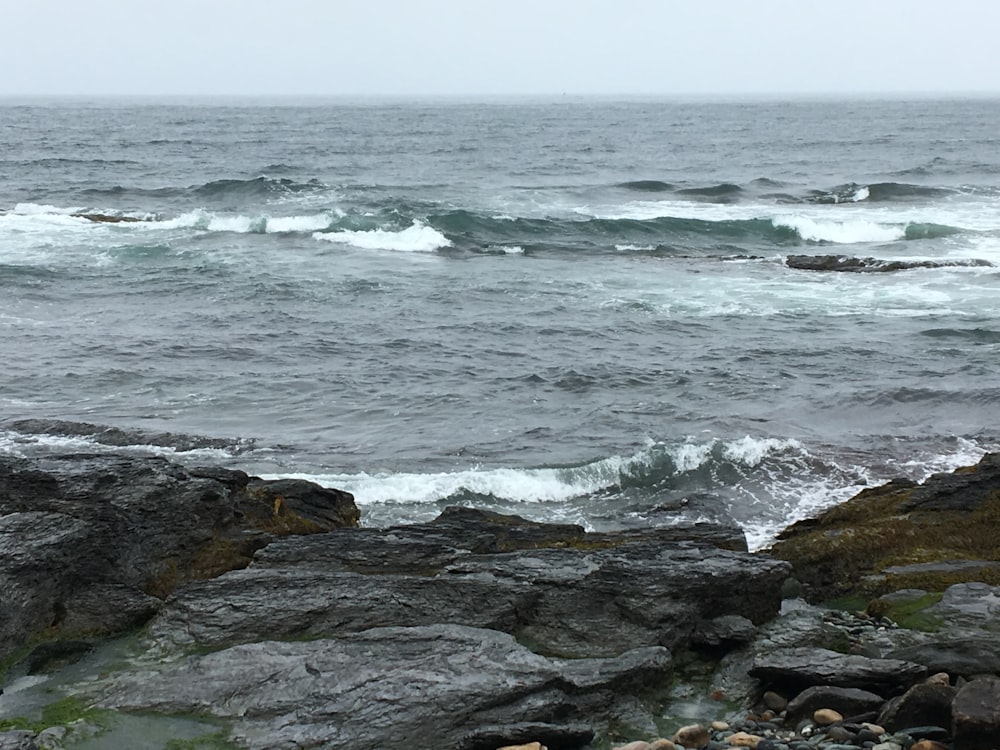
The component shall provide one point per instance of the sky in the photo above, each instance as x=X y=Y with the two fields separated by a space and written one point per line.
x=492 y=48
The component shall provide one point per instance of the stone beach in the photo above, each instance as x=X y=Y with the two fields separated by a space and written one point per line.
x=261 y=610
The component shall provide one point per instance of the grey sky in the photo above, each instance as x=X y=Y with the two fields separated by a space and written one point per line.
x=480 y=47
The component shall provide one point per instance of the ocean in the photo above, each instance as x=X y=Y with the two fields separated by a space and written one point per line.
x=577 y=310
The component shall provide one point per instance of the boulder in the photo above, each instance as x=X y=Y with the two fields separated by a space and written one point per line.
x=90 y=544
x=446 y=686
x=965 y=657
x=926 y=703
x=847 y=701
x=805 y=667
x=976 y=715
x=587 y=596
x=852 y=264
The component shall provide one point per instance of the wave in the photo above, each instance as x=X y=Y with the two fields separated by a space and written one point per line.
x=647 y=186
x=878 y=192
x=258 y=187
x=417 y=238
x=725 y=192
x=242 y=224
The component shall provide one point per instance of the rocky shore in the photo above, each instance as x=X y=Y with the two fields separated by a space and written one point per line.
x=148 y=604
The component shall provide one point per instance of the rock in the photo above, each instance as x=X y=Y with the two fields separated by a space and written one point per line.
x=876 y=729
x=967 y=657
x=805 y=667
x=921 y=704
x=106 y=218
x=719 y=726
x=824 y=716
x=89 y=544
x=661 y=744
x=928 y=745
x=976 y=715
x=743 y=739
x=774 y=701
x=638 y=745
x=846 y=263
x=18 y=739
x=846 y=701
x=726 y=631
x=397 y=686
x=528 y=746
x=850 y=549
x=692 y=736
x=593 y=597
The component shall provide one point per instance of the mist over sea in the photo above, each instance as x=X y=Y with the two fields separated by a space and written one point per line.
x=574 y=310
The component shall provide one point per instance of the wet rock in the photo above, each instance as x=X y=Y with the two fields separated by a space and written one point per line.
x=967 y=657
x=595 y=597
x=976 y=715
x=18 y=739
x=921 y=704
x=692 y=736
x=774 y=701
x=854 y=547
x=851 y=264
x=89 y=544
x=805 y=667
x=824 y=716
x=726 y=631
x=847 y=701
x=395 y=686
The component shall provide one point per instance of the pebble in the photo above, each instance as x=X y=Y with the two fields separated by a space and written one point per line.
x=928 y=745
x=719 y=726
x=744 y=739
x=662 y=744
x=633 y=746
x=774 y=701
x=875 y=729
x=840 y=734
x=693 y=736
x=825 y=716
x=528 y=746
x=887 y=746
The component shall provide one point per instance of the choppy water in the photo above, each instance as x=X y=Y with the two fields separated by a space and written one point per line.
x=574 y=310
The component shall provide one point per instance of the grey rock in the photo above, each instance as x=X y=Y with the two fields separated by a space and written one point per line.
x=805 y=667
x=600 y=596
x=976 y=715
x=968 y=656
x=921 y=704
x=851 y=264
x=397 y=686
x=727 y=631
x=89 y=543
x=845 y=701
x=18 y=739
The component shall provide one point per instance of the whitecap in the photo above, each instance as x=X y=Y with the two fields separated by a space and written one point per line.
x=416 y=238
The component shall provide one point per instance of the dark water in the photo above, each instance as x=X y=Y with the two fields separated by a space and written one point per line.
x=575 y=310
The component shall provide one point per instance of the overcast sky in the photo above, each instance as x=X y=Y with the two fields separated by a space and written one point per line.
x=494 y=47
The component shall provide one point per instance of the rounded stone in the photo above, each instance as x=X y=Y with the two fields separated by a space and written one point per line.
x=693 y=736
x=719 y=726
x=662 y=744
x=826 y=716
x=928 y=745
x=637 y=745
x=744 y=739
x=774 y=701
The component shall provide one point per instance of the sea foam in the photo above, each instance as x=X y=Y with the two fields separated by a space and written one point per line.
x=416 y=238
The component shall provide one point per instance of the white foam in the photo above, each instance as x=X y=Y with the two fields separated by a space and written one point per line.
x=506 y=249
x=845 y=232
x=416 y=238
x=242 y=224
x=23 y=445
x=860 y=194
x=37 y=209
x=633 y=248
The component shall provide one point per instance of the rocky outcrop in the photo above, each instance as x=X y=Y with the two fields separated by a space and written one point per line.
x=446 y=686
x=585 y=595
x=852 y=264
x=902 y=535
x=91 y=544
x=801 y=668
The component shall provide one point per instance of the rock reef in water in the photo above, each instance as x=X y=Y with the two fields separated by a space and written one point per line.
x=852 y=264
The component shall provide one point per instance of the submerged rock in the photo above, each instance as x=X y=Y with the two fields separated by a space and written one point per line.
x=852 y=264
x=448 y=686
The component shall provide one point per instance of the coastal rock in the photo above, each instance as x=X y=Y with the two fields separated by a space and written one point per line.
x=869 y=545
x=806 y=667
x=400 y=684
x=852 y=264
x=90 y=544
x=976 y=715
x=692 y=736
x=18 y=739
x=966 y=657
x=847 y=701
x=921 y=704
x=588 y=595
